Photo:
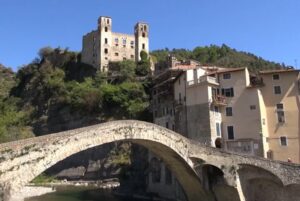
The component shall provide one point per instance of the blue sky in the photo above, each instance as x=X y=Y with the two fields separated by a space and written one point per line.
x=267 y=28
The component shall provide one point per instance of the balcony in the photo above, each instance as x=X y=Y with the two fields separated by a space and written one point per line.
x=219 y=100
x=178 y=103
x=256 y=82
x=244 y=146
x=203 y=79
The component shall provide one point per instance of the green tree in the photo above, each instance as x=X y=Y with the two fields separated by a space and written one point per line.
x=143 y=66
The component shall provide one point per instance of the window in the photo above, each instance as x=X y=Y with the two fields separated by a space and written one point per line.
x=252 y=107
x=144 y=35
x=132 y=56
x=230 y=132
x=106 y=40
x=228 y=111
x=116 y=40
x=279 y=106
x=132 y=44
x=280 y=116
x=106 y=29
x=226 y=76
x=277 y=90
x=173 y=127
x=106 y=51
x=276 y=77
x=167 y=124
x=168 y=176
x=155 y=170
x=124 y=41
x=228 y=92
x=107 y=21
x=155 y=113
x=145 y=28
x=124 y=58
x=218 y=129
x=144 y=47
x=280 y=113
x=283 y=141
x=179 y=97
x=116 y=54
x=270 y=154
x=216 y=109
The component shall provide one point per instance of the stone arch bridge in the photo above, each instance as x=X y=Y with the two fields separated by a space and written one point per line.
x=205 y=173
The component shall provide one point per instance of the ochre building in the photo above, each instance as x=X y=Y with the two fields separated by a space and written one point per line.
x=230 y=108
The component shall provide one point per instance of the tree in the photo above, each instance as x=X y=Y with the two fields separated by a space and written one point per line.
x=143 y=66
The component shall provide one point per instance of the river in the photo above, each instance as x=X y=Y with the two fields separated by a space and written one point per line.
x=80 y=194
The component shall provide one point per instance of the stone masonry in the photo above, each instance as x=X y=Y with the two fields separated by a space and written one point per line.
x=205 y=173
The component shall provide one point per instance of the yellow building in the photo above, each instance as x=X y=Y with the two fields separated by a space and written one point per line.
x=102 y=46
x=281 y=120
x=233 y=109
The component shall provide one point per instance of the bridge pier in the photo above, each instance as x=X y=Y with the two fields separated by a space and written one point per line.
x=240 y=178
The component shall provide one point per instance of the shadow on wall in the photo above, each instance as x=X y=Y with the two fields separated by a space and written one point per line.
x=259 y=184
x=213 y=181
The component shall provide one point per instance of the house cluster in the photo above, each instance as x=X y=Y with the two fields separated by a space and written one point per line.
x=231 y=108
x=227 y=108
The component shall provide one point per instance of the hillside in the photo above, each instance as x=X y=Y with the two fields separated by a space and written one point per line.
x=7 y=81
x=223 y=56
x=57 y=92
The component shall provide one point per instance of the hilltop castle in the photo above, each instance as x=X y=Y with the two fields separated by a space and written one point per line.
x=102 y=46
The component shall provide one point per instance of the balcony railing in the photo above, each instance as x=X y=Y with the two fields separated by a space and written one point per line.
x=219 y=100
x=203 y=79
x=244 y=146
x=178 y=103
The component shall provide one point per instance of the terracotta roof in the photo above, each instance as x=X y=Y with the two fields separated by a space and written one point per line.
x=226 y=71
x=279 y=71
x=185 y=67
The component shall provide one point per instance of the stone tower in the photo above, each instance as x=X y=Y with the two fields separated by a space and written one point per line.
x=101 y=46
x=141 y=32
x=105 y=33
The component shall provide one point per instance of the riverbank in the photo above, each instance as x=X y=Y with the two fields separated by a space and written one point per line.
x=103 y=184
x=31 y=191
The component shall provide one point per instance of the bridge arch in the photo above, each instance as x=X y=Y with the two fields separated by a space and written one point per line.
x=34 y=156
x=23 y=160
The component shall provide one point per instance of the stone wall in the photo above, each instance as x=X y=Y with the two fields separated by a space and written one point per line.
x=184 y=157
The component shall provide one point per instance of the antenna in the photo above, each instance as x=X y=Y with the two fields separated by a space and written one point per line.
x=296 y=63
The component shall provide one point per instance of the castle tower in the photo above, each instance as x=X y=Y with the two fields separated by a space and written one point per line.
x=105 y=33
x=101 y=46
x=141 y=32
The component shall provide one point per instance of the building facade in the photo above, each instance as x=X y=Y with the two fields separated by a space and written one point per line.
x=101 y=46
x=230 y=108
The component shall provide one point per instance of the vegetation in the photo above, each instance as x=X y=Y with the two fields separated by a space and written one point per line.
x=43 y=179
x=223 y=56
x=57 y=92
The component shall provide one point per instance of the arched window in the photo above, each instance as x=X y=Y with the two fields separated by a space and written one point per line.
x=145 y=28
x=107 y=21
x=143 y=34
x=106 y=29
x=155 y=170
